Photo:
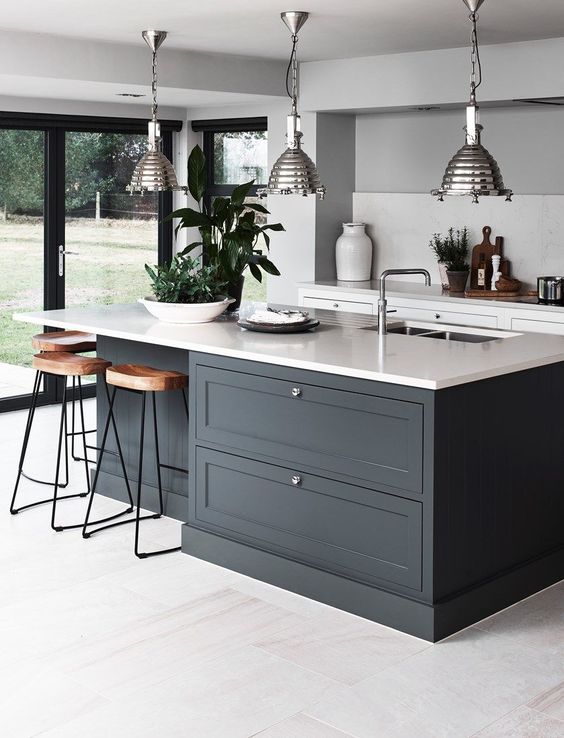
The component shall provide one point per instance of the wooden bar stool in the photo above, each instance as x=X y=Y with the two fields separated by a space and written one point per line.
x=61 y=364
x=72 y=342
x=141 y=380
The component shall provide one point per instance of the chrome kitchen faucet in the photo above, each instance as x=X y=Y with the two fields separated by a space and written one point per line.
x=383 y=303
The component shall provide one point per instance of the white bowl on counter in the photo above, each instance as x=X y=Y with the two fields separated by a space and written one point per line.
x=176 y=312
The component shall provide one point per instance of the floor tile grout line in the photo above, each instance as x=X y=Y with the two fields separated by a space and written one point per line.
x=334 y=682
x=346 y=733
x=543 y=713
x=273 y=725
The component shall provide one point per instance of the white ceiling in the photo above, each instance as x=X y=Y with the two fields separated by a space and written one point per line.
x=348 y=28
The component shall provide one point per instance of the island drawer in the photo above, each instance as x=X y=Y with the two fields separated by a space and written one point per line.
x=359 y=435
x=346 y=529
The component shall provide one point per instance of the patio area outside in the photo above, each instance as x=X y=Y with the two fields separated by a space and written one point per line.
x=108 y=268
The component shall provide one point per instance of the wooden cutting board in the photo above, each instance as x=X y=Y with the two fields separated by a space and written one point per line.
x=488 y=249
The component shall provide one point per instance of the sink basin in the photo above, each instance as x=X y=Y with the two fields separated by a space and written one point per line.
x=407 y=330
x=455 y=336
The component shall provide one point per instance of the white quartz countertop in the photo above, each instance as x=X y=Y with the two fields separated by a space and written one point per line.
x=338 y=346
x=435 y=292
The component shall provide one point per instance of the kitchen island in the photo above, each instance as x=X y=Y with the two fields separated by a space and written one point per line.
x=412 y=480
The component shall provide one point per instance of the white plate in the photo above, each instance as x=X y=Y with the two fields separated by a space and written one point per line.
x=175 y=312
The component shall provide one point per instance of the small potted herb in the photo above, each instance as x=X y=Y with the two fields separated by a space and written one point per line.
x=452 y=252
x=185 y=292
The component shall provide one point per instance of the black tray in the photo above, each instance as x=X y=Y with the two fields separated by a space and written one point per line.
x=306 y=325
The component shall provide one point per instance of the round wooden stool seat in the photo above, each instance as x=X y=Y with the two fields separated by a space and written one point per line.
x=69 y=365
x=145 y=378
x=69 y=341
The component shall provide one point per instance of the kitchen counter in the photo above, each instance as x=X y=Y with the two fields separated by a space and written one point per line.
x=339 y=346
x=409 y=480
x=435 y=292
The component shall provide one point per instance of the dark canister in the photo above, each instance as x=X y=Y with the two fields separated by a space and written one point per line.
x=551 y=290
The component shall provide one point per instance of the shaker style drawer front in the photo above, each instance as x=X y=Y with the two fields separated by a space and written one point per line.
x=362 y=436
x=442 y=316
x=349 y=530
x=344 y=306
x=537 y=326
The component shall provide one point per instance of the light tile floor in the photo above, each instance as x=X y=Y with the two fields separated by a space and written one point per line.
x=97 y=644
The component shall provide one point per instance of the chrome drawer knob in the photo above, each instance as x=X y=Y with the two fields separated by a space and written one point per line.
x=437 y=315
x=335 y=304
x=296 y=392
x=296 y=479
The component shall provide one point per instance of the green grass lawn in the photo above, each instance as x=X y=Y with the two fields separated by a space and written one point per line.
x=109 y=268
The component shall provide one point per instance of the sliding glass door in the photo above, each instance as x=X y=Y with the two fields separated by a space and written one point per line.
x=109 y=234
x=69 y=232
x=22 y=177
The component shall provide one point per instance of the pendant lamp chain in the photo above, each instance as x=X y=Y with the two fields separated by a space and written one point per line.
x=475 y=59
x=154 y=107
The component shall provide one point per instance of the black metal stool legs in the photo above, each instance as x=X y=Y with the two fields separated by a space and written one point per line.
x=73 y=432
x=138 y=517
x=63 y=439
x=56 y=484
x=110 y=419
x=147 y=554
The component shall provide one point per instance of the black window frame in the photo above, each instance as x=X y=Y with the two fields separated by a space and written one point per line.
x=224 y=125
x=54 y=127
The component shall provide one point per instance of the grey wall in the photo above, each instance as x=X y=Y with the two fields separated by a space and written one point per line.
x=336 y=164
x=408 y=152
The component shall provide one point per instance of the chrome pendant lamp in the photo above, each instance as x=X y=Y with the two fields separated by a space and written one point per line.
x=154 y=172
x=294 y=173
x=472 y=170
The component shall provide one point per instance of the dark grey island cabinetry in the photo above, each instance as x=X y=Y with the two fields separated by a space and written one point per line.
x=414 y=481
x=424 y=510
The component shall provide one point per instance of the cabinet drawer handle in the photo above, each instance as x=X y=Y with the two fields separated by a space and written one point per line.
x=335 y=304
x=296 y=392
x=437 y=315
x=296 y=479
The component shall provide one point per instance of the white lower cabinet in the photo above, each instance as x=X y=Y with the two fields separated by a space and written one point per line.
x=335 y=303
x=436 y=313
x=524 y=322
x=403 y=308
x=504 y=316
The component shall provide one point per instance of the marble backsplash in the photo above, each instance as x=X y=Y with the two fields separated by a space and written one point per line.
x=402 y=224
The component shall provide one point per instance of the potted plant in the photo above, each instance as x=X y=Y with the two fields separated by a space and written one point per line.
x=452 y=252
x=437 y=245
x=185 y=292
x=230 y=238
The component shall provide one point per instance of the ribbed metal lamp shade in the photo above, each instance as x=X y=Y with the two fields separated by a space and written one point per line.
x=472 y=171
x=294 y=173
x=153 y=173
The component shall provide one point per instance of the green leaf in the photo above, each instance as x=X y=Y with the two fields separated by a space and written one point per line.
x=268 y=266
x=240 y=193
x=190 y=247
x=273 y=227
x=190 y=218
x=257 y=208
x=255 y=271
x=197 y=179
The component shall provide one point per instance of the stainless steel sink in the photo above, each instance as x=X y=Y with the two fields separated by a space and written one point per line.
x=455 y=336
x=407 y=330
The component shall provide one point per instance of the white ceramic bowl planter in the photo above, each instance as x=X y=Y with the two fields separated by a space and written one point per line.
x=176 y=312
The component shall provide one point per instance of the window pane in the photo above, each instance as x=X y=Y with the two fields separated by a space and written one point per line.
x=240 y=156
x=21 y=253
x=109 y=234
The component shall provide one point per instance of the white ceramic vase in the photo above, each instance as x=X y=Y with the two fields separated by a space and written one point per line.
x=353 y=254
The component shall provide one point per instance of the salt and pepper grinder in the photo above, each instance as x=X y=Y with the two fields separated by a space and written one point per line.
x=496 y=263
